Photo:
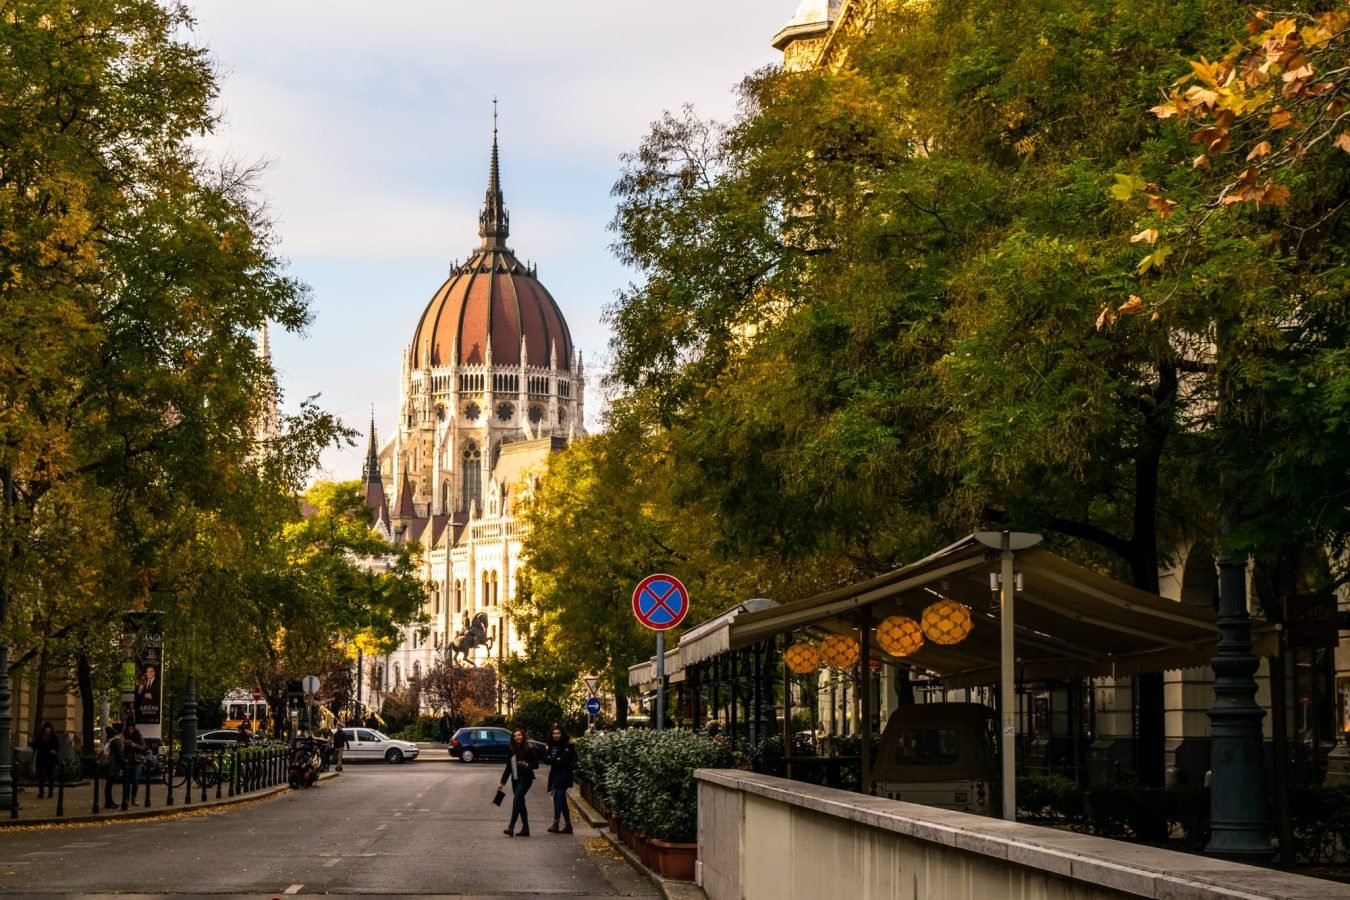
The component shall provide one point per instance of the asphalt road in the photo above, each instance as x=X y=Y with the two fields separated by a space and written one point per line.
x=425 y=828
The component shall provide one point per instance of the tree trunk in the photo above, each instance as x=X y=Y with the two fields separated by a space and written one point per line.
x=84 y=675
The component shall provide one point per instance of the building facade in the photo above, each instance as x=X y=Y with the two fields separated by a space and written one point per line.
x=490 y=386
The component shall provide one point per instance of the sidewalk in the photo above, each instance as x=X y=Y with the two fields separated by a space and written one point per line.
x=671 y=890
x=79 y=803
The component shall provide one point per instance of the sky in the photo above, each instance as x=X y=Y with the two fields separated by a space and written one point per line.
x=375 y=124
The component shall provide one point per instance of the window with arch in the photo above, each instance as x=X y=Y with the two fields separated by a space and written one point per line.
x=473 y=478
x=459 y=596
x=485 y=598
x=445 y=496
x=398 y=673
x=436 y=600
x=417 y=671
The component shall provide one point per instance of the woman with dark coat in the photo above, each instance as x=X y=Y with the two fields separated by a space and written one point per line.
x=520 y=766
x=46 y=754
x=562 y=763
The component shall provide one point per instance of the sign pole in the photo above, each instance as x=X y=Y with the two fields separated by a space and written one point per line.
x=660 y=679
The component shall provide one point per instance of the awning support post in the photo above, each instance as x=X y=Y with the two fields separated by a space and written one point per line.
x=1007 y=686
x=864 y=695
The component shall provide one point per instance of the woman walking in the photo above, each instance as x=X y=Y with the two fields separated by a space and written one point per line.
x=46 y=753
x=520 y=766
x=562 y=762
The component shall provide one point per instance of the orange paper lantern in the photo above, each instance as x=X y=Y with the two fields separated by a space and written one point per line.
x=839 y=651
x=947 y=622
x=899 y=635
x=802 y=658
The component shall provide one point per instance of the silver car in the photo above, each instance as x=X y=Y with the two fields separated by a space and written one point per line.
x=367 y=743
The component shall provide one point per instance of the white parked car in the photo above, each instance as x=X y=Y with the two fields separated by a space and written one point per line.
x=367 y=743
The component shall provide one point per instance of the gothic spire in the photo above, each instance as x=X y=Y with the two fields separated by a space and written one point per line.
x=493 y=221
x=372 y=472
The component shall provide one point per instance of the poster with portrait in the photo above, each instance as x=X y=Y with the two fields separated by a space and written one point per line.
x=148 y=655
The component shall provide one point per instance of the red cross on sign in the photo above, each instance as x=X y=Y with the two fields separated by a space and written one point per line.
x=660 y=602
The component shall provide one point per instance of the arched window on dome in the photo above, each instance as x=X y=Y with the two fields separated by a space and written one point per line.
x=473 y=478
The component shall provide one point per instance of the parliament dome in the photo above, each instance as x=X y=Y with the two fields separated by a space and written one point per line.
x=492 y=302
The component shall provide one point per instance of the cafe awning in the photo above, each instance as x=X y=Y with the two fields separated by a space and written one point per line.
x=704 y=641
x=1071 y=621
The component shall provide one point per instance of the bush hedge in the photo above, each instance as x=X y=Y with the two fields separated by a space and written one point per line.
x=647 y=777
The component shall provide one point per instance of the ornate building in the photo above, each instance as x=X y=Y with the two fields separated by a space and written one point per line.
x=491 y=385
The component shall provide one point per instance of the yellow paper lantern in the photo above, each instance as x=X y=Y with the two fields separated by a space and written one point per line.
x=802 y=658
x=899 y=635
x=839 y=651
x=947 y=622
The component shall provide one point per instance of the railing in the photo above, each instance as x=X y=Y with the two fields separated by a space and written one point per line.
x=171 y=780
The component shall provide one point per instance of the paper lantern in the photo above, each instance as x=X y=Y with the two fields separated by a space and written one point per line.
x=947 y=622
x=899 y=635
x=839 y=651
x=802 y=658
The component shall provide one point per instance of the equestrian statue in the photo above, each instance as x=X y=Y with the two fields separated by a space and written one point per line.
x=473 y=635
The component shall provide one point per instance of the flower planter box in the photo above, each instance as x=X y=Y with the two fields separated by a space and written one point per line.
x=674 y=860
x=614 y=823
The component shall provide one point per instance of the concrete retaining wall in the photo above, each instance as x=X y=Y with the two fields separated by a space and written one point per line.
x=764 y=838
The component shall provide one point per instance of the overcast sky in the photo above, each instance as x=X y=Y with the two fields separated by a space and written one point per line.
x=375 y=120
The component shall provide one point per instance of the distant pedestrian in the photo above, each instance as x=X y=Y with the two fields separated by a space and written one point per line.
x=339 y=747
x=46 y=754
x=520 y=766
x=114 y=760
x=562 y=763
x=445 y=728
x=133 y=771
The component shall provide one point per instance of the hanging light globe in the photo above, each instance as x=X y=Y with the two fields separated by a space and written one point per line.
x=839 y=651
x=947 y=622
x=802 y=658
x=899 y=635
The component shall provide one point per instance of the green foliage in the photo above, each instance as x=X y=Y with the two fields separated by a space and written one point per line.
x=1049 y=798
x=1321 y=823
x=647 y=777
x=422 y=729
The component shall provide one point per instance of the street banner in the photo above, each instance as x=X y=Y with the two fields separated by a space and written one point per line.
x=149 y=659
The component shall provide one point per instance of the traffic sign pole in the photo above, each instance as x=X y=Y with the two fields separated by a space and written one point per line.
x=660 y=680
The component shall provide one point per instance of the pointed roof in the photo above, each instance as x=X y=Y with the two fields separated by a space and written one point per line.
x=375 y=499
x=494 y=224
x=813 y=18
x=403 y=503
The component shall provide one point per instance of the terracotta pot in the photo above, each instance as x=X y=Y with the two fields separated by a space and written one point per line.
x=674 y=860
x=646 y=852
x=614 y=823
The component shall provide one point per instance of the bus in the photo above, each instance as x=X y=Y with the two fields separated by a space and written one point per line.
x=240 y=704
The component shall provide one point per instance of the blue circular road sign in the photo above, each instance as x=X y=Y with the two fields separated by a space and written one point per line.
x=593 y=706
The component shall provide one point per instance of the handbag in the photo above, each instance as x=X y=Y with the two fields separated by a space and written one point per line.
x=498 y=797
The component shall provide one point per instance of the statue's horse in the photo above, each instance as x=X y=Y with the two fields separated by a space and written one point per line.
x=473 y=635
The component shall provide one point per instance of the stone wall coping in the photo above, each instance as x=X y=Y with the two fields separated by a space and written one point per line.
x=1132 y=868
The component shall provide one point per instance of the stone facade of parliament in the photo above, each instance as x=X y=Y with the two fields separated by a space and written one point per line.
x=491 y=385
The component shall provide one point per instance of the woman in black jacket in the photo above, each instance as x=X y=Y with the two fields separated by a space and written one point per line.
x=562 y=763
x=520 y=766
x=46 y=754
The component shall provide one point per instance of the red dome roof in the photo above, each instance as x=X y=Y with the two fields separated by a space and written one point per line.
x=492 y=300
x=492 y=297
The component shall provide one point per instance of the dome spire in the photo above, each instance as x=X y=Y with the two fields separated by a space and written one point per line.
x=493 y=221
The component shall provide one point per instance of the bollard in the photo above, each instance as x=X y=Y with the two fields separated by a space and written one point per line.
x=206 y=762
x=61 y=791
x=220 y=774
x=95 y=810
x=128 y=779
x=234 y=770
x=186 y=766
x=167 y=774
x=146 y=769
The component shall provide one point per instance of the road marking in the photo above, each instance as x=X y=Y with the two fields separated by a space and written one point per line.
x=382 y=826
x=293 y=889
x=84 y=845
x=397 y=814
x=333 y=862
x=409 y=803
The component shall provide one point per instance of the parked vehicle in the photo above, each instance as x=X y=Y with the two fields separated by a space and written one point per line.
x=940 y=754
x=367 y=743
x=469 y=744
x=239 y=705
x=223 y=739
x=306 y=761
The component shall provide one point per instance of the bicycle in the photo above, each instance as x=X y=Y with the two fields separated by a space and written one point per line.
x=204 y=770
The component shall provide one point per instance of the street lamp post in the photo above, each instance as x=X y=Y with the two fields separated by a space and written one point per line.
x=1238 y=827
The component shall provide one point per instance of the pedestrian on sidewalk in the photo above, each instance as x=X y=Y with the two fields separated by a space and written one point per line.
x=46 y=754
x=114 y=760
x=520 y=766
x=134 y=754
x=339 y=747
x=562 y=763
x=445 y=727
